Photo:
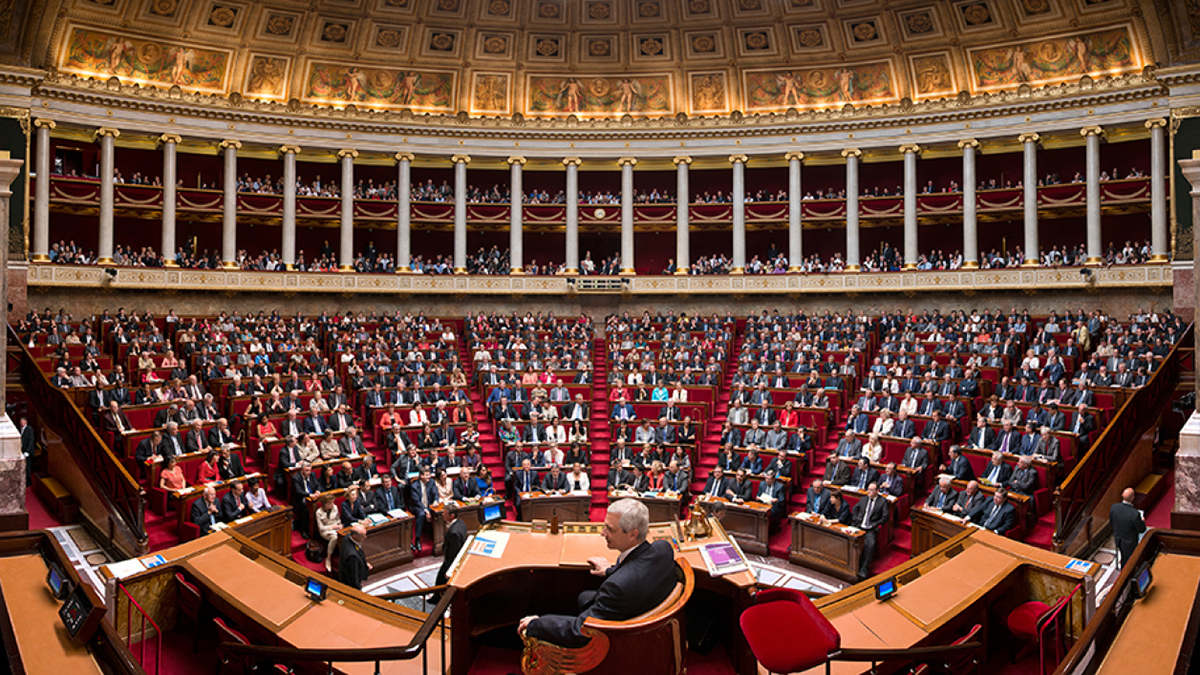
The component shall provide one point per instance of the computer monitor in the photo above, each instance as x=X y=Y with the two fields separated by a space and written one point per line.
x=493 y=513
x=60 y=586
x=315 y=589
x=1141 y=583
x=885 y=589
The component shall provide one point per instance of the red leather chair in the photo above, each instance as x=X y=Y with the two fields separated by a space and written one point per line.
x=191 y=601
x=1034 y=621
x=778 y=650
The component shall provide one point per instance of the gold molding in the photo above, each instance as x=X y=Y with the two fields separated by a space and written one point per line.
x=1029 y=138
x=460 y=159
x=105 y=131
x=169 y=138
x=517 y=159
x=288 y=150
x=681 y=159
x=404 y=157
x=797 y=155
x=1156 y=122
x=230 y=143
x=630 y=161
x=851 y=152
x=43 y=122
x=1092 y=131
x=572 y=161
x=968 y=143
x=910 y=148
x=347 y=152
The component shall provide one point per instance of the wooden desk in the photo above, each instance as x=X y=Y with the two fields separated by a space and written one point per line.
x=930 y=527
x=387 y=543
x=663 y=507
x=832 y=548
x=42 y=640
x=749 y=523
x=271 y=530
x=568 y=507
x=471 y=513
x=1158 y=621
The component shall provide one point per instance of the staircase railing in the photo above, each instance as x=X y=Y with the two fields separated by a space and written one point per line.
x=1079 y=493
x=263 y=655
x=123 y=497
x=130 y=604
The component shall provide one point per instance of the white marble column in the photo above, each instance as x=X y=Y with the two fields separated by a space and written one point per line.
x=229 y=218
x=571 y=264
x=1159 y=234
x=738 y=195
x=460 y=212
x=683 y=245
x=912 y=251
x=795 y=212
x=12 y=462
x=627 y=266
x=516 y=212
x=970 y=148
x=170 y=179
x=104 y=248
x=1187 y=458
x=288 y=245
x=1029 y=182
x=346 y=231
x=852 y=156
x=404 y=212
x=41 y=195
x=1095 y=244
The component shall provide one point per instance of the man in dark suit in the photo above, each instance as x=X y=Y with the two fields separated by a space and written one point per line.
x=816 y=498
x=982 y=435
x=915 y=456
x=959 y=466
x=771 y=492
x=554 y=482
x=388 y=496
x=868 y=514
x=740 y=489
x=1127 y=525
x=996 y=472
x=1024 y=479
x=716 y=484
x=171 y=444
x=837 y=472
x=219 y=435
x=996 y=515
x=304 y=484
x=464 y=486
x=206 y=512
x=864 y=475
x=968 y=500
x=1008 y=440
x=456 y=536
x=423 y=495
x=229 y=466
x=642 y=578
x=836 y=509
x=936 y=429
x=148 y=447
x=944 y=496
x=233 y=504
x=353 y=567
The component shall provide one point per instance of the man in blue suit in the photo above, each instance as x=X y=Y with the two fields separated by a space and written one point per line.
x=423 y=495
x=643 y=577
x=623 y=411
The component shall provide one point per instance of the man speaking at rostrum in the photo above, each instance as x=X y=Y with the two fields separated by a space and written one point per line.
x=642 y=578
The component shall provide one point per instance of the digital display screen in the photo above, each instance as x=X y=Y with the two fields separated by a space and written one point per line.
x=1143 y=582
x=885 y=589
x=315 y=589
x=492 y=513
x=58 y=582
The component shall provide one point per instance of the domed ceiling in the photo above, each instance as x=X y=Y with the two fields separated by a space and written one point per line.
x=601 y=58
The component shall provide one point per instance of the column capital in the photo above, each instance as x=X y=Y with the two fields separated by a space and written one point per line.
x=404 y=157
x=968 y=143
x=516 y=160
x=910 y=148
x=1156 y=122
x=228 y=143
x=105 y=131
x=347 y=152
x=460 y=159
x=1092 y=131
x=289 y=150
x=627 y=160
x=851 y=152
x=572 y=161
x=170 y=138
x=796 y=155
x=1029 y=138
x=50 y=124
x=738 y=159
x=681 y=159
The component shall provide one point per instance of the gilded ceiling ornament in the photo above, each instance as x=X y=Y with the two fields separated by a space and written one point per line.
x=164 y=7
x=651 y=47
x=750 y=5
x=334 y=32
x=149 y=53
x=397 y=3
x=549 y=10
x=382 y=79
x=810 y=37
x=919 y=23
x=704 y=44
x=266 y=77
x=547 y=47
x=280 y=24
x=699 y=6
x=708 y=92
x=389 y=37
x=977 y=15
x=933 y=75
x=599 y=10
x=600 y=48
x=448 y=5
x=865 y=31
x=599 y=87
x=649 y=10
x=757 y=41
x=495 y=45
x=499 y=8
x=442 y=42
x=1036 y=6
x=222 y=16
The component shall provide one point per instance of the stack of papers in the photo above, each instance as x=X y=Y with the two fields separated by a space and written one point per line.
x=722 y=558
x=489 y=544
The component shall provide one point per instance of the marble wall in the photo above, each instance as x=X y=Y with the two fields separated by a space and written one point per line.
x=85 y=302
